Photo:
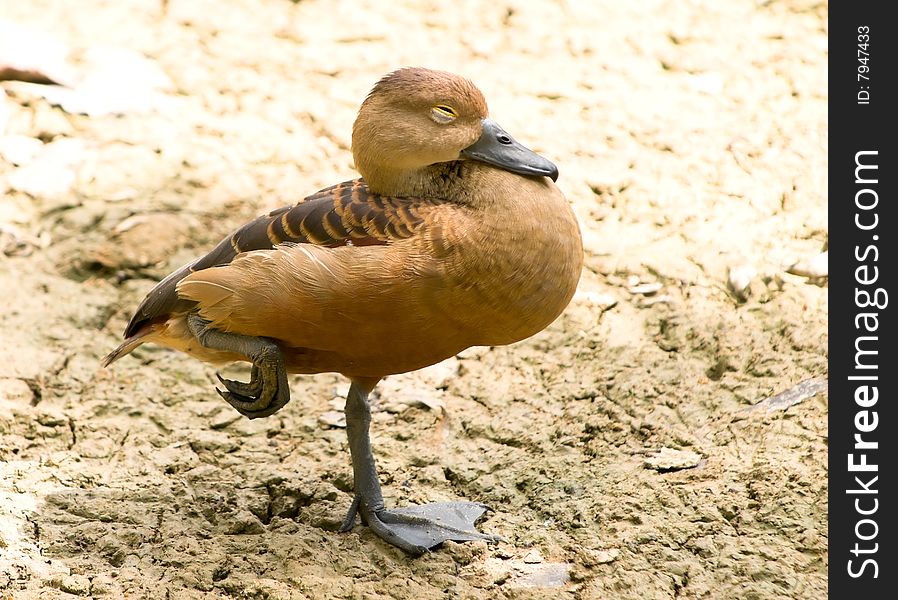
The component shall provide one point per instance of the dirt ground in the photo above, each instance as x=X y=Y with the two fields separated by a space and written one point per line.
x=621 y=449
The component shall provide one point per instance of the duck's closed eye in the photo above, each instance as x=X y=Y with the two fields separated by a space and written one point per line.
x=442 y=113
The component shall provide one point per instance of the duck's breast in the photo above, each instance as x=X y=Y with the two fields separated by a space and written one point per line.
x=516 y=260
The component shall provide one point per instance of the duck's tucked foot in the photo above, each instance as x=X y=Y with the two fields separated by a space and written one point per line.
x=266 y=393
x=252 y=388
x=267 y=390
x=418 y=529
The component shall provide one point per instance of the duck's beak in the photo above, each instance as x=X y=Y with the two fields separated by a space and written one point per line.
x=496 y=147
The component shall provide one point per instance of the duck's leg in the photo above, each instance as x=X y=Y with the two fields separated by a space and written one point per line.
x=415 y=529
x=267 y=390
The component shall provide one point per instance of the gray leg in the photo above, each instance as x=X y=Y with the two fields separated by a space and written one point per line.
x=415 y=529
x=267 y=391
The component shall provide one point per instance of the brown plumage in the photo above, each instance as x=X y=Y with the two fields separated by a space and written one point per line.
x=453 y=238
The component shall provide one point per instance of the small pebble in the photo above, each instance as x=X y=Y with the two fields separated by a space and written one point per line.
x=646 y=289
x=332 y=419
x=533 y=557
x=75 y=584
x=815 y=268
x=668 y=459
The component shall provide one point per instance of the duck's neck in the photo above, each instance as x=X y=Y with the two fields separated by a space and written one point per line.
x=433 y=181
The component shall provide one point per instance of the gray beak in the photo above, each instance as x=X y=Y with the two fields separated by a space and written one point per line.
x=495 y=147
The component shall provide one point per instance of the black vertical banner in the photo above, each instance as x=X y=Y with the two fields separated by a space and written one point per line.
x=863 y=421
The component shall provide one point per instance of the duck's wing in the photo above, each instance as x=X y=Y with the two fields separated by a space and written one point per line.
x=347 y=214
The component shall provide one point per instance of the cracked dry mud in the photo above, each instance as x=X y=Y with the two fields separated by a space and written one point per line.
x=691 y=139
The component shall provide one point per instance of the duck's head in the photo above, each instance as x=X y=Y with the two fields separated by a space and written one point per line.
x=415 y=118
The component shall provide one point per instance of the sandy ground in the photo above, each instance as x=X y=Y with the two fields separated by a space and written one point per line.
x=620 y=449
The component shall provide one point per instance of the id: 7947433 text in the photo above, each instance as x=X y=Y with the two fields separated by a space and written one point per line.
x=863 y=68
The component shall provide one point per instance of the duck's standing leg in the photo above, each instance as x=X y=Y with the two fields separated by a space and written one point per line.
x=415 y=529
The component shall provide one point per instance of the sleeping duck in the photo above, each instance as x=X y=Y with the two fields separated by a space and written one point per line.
x=454 y=236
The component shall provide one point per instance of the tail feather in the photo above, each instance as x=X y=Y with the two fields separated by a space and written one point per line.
x=130 y=344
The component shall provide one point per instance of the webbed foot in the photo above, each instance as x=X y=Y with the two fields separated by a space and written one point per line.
x=419 y=529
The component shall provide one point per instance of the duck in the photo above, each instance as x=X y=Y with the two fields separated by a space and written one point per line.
x=454 y=236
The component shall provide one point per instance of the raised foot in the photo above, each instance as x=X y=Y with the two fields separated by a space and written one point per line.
x=418 y=529
x=267 y=390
